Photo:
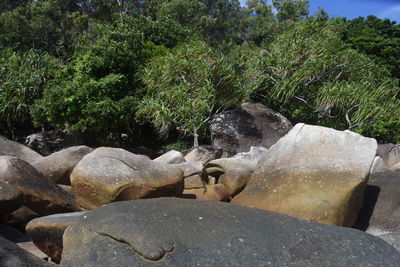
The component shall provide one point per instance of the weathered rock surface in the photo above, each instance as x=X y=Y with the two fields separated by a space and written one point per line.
x=21 y=240
x=19 y=218
x=10 y=198
x=31 y=248
x=203 y=233
x=234 y=180
x=392 y=238
x=47 y=232
x=235 y=172
x=111 y=174
x=59 y=165
x=40 y=194
x=249 y=125
x=193 y=174
x=204 y=154
x=313 y=173
x=13 y=256
x=171 y=157
x=190 y=168
x=396 y=167
x=211 y=192
x=245 y=160
x=47 y=141
x=390 y=153
x=11 y=148
x=380 y=215
x=381 y=211
x=195 y=181
x=66 y=188
x=378 y=165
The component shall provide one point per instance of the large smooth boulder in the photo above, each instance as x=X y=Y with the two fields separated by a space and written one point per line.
x=40 y=193
x=13 y=256
x=10 y=198
x=313 y=173
x=204 y=154
x=171 y=157
x=249 y=125
x=178 y=232
x=390 y=154
x=47 y=232
x=11 y=148
x=113 y=174
x=59 y=165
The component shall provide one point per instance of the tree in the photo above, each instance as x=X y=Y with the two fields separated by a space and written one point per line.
x=265 y=20
x=190 y=14
x=228 y=21
x=219 y=22
x=314 y=77
x=22 y=81
x=261 y=22
x=291 y=10
x=49 y=25
x=8 y=5
x=186 y=87
x=98 y=91
x=378 y=38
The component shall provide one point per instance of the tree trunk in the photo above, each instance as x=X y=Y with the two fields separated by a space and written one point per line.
x=120 y=7
x=195 y=138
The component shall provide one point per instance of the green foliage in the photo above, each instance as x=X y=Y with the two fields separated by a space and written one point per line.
x=8 y=5
x=50 y=26
x=103 y=67
x=179 y=145
x=86 y=104
x=385 y=130
x=190 y=14
x=219 y=22
x=265 y=21
x=309 y=65
x=378 y=38
x=15 y=30
x=185 y=88
x=291 y=10
x=261 y=21
x=22 y=81
x=99 y=90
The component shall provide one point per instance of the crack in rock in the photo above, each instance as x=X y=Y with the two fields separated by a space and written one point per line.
x=154 y=258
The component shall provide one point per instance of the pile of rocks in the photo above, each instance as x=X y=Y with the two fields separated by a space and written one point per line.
x=290 y=204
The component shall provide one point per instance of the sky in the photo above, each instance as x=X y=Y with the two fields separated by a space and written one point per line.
x=355 y=8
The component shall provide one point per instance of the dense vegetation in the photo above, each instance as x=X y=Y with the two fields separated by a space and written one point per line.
x=166 y=67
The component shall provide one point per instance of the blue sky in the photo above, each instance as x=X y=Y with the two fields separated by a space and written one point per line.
x=355 y=8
